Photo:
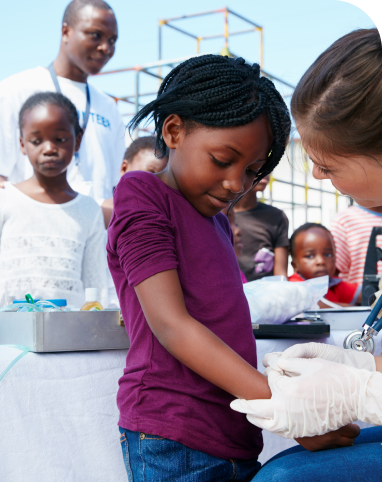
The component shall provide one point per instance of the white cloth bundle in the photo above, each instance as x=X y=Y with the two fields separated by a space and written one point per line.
x=273 y=300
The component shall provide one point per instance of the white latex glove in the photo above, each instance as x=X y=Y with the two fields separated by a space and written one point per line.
x=352 y=358
x=313 y=397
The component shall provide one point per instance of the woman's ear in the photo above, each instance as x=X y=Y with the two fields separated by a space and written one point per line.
x=173 y=131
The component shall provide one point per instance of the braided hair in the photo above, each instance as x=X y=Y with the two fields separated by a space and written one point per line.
x=218 y=91
x=53 y=98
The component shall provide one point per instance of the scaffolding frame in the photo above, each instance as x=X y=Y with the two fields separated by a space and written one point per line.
x=137 y=99
x=226 y=33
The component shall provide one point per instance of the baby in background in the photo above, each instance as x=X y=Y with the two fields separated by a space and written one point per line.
x=51 y=237
x=313 y=255
x=139 y=156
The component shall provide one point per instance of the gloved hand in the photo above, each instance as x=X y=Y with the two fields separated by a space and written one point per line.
x=352 y=358
x=313 y=397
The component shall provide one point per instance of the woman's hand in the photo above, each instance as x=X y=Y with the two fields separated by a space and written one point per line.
x=343 y=437
x=352 y=358
x=314 y=397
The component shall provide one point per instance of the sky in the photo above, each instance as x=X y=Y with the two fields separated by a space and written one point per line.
x=295 y=33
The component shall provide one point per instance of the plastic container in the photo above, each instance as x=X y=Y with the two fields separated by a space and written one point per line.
x=61 y=303
x=91 y=300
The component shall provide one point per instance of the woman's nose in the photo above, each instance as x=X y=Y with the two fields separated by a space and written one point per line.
x=318 y=174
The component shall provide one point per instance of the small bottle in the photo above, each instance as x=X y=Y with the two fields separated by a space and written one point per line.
x=91 y=303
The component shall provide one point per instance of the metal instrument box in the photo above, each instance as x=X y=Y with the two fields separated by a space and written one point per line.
x=64 y=331
x=351 y=318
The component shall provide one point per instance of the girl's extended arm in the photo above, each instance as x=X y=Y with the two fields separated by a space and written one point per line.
x=192 y=343
x=203 y=352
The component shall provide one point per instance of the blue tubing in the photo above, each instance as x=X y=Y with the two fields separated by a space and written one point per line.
x=24 y=349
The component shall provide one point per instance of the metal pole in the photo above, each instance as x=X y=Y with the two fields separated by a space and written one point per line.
x=261 y=49
x=160 y=46
x=137 y=91
x=226 y=34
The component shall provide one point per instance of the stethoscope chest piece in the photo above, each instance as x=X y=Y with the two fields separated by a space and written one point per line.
x=354 y=342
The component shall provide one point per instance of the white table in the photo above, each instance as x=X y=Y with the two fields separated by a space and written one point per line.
x=58 y=414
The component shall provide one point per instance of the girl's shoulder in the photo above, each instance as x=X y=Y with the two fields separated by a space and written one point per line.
x=143 y=188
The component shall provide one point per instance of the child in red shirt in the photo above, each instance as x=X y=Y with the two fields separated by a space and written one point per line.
x=313 y=255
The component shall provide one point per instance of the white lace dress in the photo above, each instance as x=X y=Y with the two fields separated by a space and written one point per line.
x=51 y=250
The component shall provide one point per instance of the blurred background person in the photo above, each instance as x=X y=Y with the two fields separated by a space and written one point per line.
x=51 y=237
x=237 y=237
x=265 y=236
x=314 y=255
x=139 y=156
x=89 y=35
x=351 y=230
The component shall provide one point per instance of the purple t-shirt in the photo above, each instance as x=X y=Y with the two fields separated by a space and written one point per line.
x=153 y=229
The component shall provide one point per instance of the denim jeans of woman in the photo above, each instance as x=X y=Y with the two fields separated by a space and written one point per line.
x=362 y=462
x=150 y=458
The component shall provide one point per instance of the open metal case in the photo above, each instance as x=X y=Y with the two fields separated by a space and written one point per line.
x=64 y=331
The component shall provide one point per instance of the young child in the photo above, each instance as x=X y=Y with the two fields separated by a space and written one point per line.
x=171 y=257
x=265 y=236
x=51 y=237
x=313 y=255
x=139 y=156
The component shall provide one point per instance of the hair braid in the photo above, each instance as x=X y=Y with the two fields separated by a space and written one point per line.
x=218 y=91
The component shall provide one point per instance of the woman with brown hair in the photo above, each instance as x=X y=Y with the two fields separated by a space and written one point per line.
x=317 y=388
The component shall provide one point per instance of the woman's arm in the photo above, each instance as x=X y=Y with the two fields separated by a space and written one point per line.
x=192 y=343
x=281 y=262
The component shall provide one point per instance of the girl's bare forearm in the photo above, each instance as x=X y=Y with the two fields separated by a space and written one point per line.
x=202 y=351
x=192 y=343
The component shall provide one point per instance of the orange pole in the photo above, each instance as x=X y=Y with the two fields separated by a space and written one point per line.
x=226 y=34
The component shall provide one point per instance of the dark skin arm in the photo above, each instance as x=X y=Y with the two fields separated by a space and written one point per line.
x=281 y=262
x=192 y=343
x=107 y=211
x=199 y=349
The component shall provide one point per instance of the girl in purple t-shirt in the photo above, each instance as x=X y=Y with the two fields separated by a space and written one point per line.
x=171 y=257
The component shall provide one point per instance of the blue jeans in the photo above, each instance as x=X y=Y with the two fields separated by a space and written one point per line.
x=150 y=458
x=362 y=462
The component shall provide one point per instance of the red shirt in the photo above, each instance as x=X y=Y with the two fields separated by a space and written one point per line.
x=339 y=292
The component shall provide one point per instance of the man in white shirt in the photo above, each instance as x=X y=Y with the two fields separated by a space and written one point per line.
x=89 y=34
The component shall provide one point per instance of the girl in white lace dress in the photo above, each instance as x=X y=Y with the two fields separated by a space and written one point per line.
x=51 y=237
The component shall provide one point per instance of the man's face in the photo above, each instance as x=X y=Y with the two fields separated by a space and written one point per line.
x=90 y=42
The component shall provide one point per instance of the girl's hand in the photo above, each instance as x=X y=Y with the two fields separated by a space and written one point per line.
x=314 y=397
x=343 y=437
x=352 y=358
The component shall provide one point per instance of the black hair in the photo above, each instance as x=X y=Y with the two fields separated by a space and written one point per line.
x=218 y=91
x=71 y=11
x=53 y=98
x=301 y=229
x=138 y=145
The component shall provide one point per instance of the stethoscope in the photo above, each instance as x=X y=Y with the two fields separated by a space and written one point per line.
x=363 y=340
